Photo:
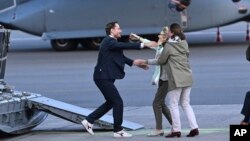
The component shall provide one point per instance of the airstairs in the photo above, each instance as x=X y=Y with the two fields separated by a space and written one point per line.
x=74 y=113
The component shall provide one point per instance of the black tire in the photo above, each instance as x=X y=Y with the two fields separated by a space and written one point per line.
x=91 y=43
x=64 y=44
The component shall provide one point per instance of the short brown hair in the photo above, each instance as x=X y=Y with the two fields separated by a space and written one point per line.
x=109 y=26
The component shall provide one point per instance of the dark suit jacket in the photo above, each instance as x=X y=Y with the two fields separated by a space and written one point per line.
x=111 y=60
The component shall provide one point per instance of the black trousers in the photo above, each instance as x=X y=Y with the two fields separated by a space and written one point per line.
x=113 y=100
x=246 y=106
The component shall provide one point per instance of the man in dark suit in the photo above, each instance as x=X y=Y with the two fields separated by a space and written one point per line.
x=110 y=66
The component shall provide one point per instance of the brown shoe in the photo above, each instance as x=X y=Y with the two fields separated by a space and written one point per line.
x=194 y=132
x=173 y=135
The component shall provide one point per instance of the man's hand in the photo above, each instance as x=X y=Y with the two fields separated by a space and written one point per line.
x=141 y=64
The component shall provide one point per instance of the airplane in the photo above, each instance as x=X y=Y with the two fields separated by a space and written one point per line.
x=22 y=111
x=67 y=23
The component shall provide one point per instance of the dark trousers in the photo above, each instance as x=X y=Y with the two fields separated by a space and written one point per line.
x=113 y=100
x=246 y=106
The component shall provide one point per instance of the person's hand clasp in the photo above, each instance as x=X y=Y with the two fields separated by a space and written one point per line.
x=134 y=37
x=141 y=64
x=151 y=44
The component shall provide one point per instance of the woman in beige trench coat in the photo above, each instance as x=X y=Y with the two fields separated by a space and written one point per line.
x=175 y=61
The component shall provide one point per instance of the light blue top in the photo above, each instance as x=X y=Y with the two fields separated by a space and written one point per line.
x=157 y=71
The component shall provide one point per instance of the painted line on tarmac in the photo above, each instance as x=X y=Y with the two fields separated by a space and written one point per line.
x=185 y=131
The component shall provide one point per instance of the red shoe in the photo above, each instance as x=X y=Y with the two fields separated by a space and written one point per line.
x=173 y=135
x=194 y=132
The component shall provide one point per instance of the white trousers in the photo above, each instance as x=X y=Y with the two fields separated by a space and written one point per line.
x=182 y=95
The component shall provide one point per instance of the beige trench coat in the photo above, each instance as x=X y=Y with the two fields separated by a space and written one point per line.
x=174 y=62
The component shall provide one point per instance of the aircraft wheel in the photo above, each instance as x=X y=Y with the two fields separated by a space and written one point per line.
x=91 y=43
x=64 y=44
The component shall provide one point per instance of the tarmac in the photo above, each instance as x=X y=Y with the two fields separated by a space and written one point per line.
x=213 y=120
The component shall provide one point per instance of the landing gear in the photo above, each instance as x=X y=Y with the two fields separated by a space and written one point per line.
x=91 y=43
x=64 y=44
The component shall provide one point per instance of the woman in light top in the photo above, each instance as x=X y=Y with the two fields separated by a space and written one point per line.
x=161 y=80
